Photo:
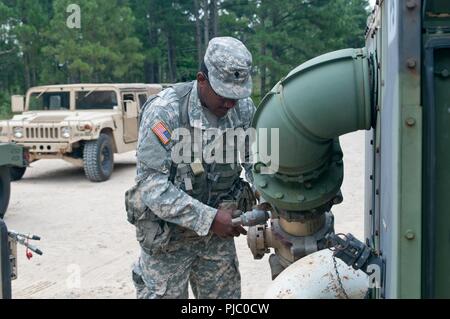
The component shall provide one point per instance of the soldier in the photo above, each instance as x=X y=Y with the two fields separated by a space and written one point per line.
x=182 y=222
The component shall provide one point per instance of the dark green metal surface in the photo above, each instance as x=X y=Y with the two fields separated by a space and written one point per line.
x=394 y=207
x=409 y=235
x=436 y=97
x=11 y=155
x=316 y=103
x=5 y=272
x=442 y=231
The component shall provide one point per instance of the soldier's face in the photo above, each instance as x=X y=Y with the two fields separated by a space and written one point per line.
x=217 y=104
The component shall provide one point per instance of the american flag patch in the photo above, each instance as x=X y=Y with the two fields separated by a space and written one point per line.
x=163 y=133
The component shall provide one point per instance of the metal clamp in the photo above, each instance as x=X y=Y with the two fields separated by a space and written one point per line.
x=353 y=252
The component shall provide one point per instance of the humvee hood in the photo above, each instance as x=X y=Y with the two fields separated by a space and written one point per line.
x=61 y=116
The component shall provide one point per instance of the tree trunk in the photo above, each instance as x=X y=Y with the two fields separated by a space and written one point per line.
x=263 y=87
x=206 y=22
x=263 y=52
x=151 y=68
x=148 y=72
x=171 y=58
x=214 y=19
x=274 y=76
x=27 y=71
x=198 y=34
x=34 y=79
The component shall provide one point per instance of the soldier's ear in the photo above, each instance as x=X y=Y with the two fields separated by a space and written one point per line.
x=201 y=78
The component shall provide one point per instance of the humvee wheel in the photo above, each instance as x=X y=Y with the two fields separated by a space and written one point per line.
x=17 y=173
x=98 y=157
x=5 y=189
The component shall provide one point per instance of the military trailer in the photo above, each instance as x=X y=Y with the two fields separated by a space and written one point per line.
x=11 y=158
x=84 y=124
x=397 y=89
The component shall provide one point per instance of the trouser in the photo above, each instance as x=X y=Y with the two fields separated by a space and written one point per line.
x=210 y=264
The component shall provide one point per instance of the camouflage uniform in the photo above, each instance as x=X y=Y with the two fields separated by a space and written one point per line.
x=173 y=227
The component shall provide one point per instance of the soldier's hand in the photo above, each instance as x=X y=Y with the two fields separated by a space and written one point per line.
x=223 y=227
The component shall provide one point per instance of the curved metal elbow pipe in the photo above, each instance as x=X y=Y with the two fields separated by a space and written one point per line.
x=311 y=107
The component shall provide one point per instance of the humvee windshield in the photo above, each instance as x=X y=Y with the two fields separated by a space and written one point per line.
x=54 y=101
x=95 y=100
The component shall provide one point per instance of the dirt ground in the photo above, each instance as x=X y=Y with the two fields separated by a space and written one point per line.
x=89 y=246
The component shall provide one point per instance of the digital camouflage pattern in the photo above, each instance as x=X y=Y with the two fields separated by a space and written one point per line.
x=174 y=230
x=208 y=263
x=229 y=67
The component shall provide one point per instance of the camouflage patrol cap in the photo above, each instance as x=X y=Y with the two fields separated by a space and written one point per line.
x=229 y=66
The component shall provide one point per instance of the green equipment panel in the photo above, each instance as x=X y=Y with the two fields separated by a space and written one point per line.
x=5 y=273
x=11 y=155
x=436 y=97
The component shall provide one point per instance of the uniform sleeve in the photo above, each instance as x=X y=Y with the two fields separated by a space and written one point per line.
x=248 y=117
x=154 y=161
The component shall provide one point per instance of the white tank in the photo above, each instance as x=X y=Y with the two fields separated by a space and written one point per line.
x=314 y=277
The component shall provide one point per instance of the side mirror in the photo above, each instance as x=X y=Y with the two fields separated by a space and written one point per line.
x=131 y=109
x=17 y=103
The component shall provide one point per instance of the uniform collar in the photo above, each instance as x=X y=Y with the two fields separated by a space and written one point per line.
x=198 y=119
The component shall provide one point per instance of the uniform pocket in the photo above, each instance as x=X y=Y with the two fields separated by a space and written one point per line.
x=153 y=235
x=134 y=205
x=146 y=231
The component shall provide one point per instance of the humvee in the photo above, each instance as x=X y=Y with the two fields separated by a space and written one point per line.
x=84 y=124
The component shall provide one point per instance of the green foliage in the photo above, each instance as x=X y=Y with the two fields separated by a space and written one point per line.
x=163 y=41
x=104 y=49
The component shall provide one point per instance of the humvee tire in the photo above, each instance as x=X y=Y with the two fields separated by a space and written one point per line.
x=5 y=189
x=98 y=157
x=17 y=173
